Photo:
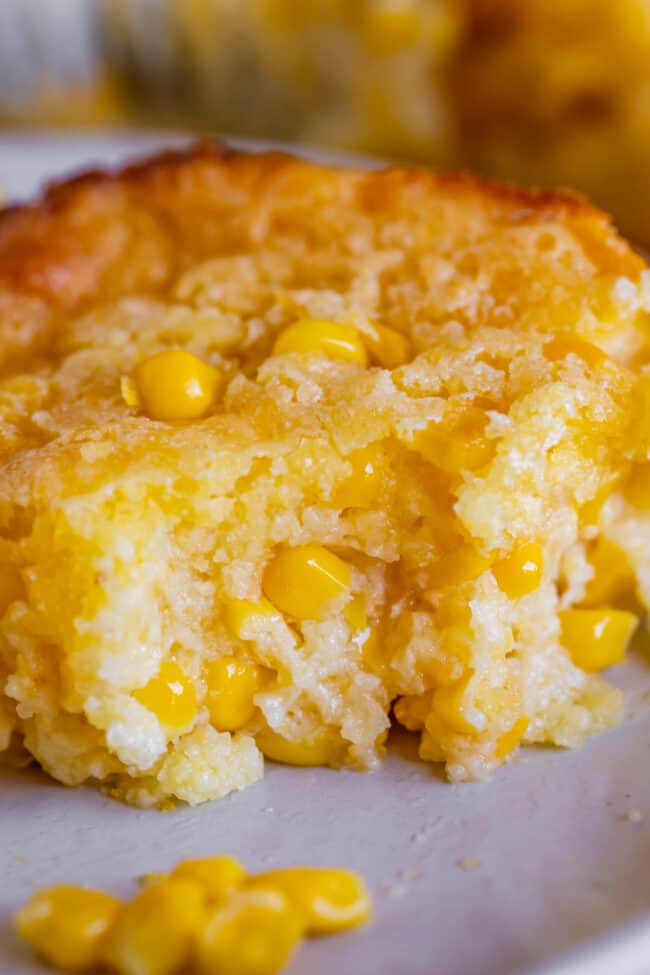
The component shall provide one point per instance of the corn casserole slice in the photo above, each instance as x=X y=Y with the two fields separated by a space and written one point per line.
x=287 y=448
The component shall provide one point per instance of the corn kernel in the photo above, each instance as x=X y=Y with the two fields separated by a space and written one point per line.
x=321 y=751
x=170 y=695
x=66 y=925
x=591 y=510
x=452 y=708
x=154 y=934
x=371 y=647
x=325 y=900
x=303 y=581
x=332 y=339
x=597 y=638
x=218 y=877
x=388 y=348
x=412 y=710
x=176 y=385
x=613 y=574
x=462 y=565
x=11 y=586
x=242 y=615
x=563 y=345
x=355 y=613
x=509 y=740
x=520 y=572
x=464 y=447
x=366 y=482
x=255 y=933
x=232 y=685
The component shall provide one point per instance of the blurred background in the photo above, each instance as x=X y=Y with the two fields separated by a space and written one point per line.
x=543 y=92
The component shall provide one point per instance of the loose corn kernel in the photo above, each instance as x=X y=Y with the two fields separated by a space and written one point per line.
x=388 y=348
x=509 y=740
x=464 y=447
x=303 y=581
x=321 y=751
x=332 y=339
x=154 y=934
x=325 y=900
x=176 y=385
x=452 y=708
x=561 y=346
x=366 y=482
x=243 y=614
x=613 y=574
x=520 y=572
x=11 y=586
x=597 y=638
x=637 y=486
x=170 y=695
x=218 y=877
x=232 y=685
x=66 y=925
x=255 y=933
x=355 y=613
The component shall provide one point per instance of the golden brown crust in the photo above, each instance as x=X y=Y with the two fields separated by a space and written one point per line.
x=63 y=247
x=105 y=234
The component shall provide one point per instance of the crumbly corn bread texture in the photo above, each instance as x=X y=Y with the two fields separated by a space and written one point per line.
x=465 y=491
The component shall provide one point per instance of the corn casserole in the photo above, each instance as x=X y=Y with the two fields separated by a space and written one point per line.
x=287 y=449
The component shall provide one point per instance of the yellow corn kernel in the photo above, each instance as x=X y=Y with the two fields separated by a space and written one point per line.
x=243 y=614
x=452 y=708
x=331 y=339
x=520 y=572
x=388 y=348
x=637 y=487
x=362 y=488
x=591 y=510
x=325 y=900
x=371 y=648
x=412 y=710
x=563 y=345
x=11 y=586
x=176 y=385
x=154 y=934
x=462 y=565
x=321 y=751
x=597 y=638
x=509 y=740
x=613 y=574
x=254 y=933
x=218 y=877
x=170 y=695
x=430 y=749
x=355 y=613
x=232 y=685
x=303 y=581
x=66 y=925
x=464 y=447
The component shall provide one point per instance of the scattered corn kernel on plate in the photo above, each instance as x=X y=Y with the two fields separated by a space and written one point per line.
x=495 y=877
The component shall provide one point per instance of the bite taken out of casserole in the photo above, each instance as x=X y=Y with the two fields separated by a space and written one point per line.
x=286 y=449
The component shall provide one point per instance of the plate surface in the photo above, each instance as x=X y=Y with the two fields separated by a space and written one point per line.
x=485 y=879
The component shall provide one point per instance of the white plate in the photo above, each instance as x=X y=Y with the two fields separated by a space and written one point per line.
x=558 y=843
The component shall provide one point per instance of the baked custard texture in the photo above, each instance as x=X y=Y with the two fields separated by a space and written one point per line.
x=441 y=522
